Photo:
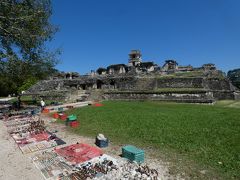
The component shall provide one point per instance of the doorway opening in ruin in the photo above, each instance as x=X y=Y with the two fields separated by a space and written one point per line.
x=171 y=67
x=99 y=84
x=68 y=76
x=112 y=83
x=83 y=86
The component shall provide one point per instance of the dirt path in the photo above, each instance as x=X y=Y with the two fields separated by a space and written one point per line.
x=13 y=164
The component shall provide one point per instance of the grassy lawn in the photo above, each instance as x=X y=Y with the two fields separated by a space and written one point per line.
x=203 y=136
x=228 y=103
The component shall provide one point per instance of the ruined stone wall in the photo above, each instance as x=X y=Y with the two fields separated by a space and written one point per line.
x=237 y=95
x=126 y=83
x=217 y=84
x=47 y=85
x=135 y=83
x=180 y=83
x=222 y=95
x=191 y=97
x=53 y=95
x=142 y=87
x=151 y=83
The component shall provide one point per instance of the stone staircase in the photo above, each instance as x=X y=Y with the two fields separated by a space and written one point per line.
x=82 y=95
x=96 y=95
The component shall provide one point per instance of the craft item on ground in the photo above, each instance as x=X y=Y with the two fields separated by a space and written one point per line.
x=95 y=167
x=78 y=153
x=97 y=105
x=41 y=136
x=72 y=121
x=15 y=123
x=126 y=171
x=18 y=129
x=45 y=110
x=55 y=115
x=37 y=146
x=52 y=120
x=60 y=109
x=51 y=165
x=30 y=134
x=62 y=116
x=74 y=124
x=13 y=117
x=69 y=107
x=35 y=111
x=21 y=112
x=38 y=142
x=133 y=154
x=93 y=170
x=101 y=141
x=18 y=120
x=33 y=126
x=106 y=167
x=21 y=138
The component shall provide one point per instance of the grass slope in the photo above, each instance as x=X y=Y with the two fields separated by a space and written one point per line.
x=207 y=135
x=228 y=103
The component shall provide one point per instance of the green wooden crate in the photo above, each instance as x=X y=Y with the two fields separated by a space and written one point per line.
x=133 y=154
x=72 y=117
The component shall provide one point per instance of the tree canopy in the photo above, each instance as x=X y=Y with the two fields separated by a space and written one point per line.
x=24 y=29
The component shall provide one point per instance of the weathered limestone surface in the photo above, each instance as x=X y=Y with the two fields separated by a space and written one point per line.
x=136 y=87
x=191 y=97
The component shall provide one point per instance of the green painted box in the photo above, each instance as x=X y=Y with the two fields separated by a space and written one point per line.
x=72 y=117
x=133 y=154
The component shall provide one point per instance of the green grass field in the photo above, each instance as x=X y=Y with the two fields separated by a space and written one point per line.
x=228 y=103
x=193 y=137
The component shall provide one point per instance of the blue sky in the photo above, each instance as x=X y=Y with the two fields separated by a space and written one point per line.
x=97 y=33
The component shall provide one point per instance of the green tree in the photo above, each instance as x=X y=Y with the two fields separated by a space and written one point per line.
x=24 y=29
x=234 y=76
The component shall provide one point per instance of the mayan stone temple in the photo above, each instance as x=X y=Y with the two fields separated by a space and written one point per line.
x=140 y=80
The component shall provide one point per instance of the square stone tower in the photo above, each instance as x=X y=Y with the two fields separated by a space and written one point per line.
x=135 y=58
